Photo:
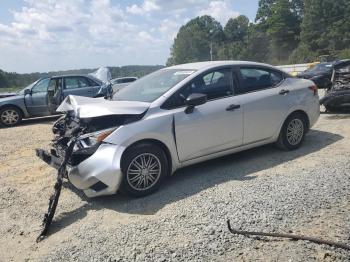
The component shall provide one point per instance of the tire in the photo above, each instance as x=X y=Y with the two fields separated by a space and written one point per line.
x=293 y=132
x=144 y=167
x=10 y=116
x=331 y=109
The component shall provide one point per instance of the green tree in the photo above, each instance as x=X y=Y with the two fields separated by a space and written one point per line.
x=325 y=27
x=235 y=32
x=283 y=27
x=258 y=44
x=236 y=29
x=265 y=9
x=195 y=40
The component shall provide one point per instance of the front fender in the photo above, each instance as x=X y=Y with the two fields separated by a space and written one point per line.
x=156 y=127
x=15 y=102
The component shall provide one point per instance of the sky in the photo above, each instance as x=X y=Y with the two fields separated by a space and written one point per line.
x=49 y=35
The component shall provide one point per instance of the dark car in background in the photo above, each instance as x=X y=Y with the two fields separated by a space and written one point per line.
x=321 y=69
x=337 y=96
x=42 y=97
x=320 y=74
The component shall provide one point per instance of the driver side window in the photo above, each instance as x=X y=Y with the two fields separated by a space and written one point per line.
x=41 y=86
x=215 y=84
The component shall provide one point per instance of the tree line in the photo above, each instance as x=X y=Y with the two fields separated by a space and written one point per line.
x=14 y=80
x=284 y=31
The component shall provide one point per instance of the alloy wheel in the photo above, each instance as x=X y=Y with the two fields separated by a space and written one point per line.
x=295 y=131
x=9 y=117
x=144 y=171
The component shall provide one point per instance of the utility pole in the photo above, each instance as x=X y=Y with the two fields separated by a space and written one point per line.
x=211 y=31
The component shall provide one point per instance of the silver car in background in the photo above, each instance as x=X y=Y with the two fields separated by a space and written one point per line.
x=121 y=82
x=179 y=116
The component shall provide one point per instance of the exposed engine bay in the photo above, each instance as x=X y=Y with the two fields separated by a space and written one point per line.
x=337 y=95
x=88 y=129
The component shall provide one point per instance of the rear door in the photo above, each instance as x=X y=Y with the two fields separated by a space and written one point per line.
x=79 y=86
x=264 y=102
x=212 y=127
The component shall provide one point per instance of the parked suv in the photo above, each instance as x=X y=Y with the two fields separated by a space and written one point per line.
x=42 y=97
x=179 y=116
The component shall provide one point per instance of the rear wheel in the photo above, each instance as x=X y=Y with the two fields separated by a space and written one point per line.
x=144 y=167
x=293 y=132
x=10 y=116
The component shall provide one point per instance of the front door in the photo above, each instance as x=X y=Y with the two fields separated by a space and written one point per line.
x=214 y=126
x=54 y=93
x=36 y=101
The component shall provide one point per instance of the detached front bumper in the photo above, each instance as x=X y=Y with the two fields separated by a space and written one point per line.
x=100 y=174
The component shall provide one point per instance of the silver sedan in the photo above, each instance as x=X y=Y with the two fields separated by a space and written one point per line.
x=179 y=116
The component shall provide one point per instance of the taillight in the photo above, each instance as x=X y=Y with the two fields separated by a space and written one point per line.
x=314 y=89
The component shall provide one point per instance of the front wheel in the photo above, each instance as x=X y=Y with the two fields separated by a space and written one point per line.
x=144 y=167
x=293 y=132
x=10 y=116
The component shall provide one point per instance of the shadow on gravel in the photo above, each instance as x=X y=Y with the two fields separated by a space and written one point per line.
x=194 y=179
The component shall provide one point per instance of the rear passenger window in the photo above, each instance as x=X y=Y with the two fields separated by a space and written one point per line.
x=254 y=79
x=91 y=82
x=73 y=82
x=83 y=82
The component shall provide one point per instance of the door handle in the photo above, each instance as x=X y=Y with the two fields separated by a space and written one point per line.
x=284 y=91
x=232 y=107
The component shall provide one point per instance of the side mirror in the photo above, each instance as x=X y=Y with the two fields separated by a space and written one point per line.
x=194 y=100
x=27 y=92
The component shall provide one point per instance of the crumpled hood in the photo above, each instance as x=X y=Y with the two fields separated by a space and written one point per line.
x=86 y=107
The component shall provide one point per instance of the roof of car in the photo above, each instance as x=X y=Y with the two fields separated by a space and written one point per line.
x=55 y=76
x=209 y=64
x=125 y=77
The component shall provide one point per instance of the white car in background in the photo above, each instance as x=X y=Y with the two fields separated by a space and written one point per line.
x=178 y=116
x=121 y=82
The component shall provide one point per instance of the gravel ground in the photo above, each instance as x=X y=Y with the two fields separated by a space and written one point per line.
x=305 y=191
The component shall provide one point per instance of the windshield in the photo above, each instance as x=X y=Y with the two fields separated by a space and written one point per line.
x=152 y=86
x=28 y=87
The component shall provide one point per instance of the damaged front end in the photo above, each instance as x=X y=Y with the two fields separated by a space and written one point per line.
x=78 y=150
x=337 y=96
x=92 y=161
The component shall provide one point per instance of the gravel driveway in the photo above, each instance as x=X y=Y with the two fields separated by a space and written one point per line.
x=305 y=192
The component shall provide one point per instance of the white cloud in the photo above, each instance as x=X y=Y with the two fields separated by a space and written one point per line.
x=220 y=10
x=169 y=28
x=61 y=34
x=146 y=7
